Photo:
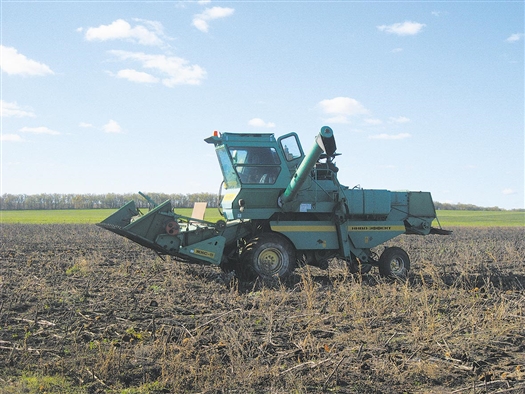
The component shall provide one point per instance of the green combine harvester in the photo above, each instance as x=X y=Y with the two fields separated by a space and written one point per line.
x=283 y=208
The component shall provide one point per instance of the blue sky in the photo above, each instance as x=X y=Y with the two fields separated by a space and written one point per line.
x=118 y=96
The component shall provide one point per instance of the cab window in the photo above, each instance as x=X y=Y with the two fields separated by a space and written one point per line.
x=290 y=147
x=256 y=164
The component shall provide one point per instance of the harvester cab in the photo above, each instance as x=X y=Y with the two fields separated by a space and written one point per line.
x=256 y=168
x=262 y=175
x=284 y=208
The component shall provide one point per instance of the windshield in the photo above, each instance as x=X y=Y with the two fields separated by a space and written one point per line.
x=231 y=180
x=256 y=164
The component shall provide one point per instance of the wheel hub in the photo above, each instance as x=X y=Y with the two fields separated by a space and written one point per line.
x=270 y=261
x=396 y=264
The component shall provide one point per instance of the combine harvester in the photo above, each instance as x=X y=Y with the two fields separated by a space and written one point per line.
x=283 y=208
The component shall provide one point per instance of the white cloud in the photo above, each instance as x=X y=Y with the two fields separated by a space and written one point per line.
x=156 y=26
x=343 y=106
x=122 y=30
x=10 y=138
x=389 y=136
x=399 y=119
x=14 y=63
x=258 y=122
x=39 y=130
x=112 y=127
x=373 y=122
x=137 y=76
x=13 y=109
x=176 y=69
x=514 y=37
x=406 y=28
x=397 y=50
x=200 y=21
x=340 y=119
x=508 y=192
x=85 y=125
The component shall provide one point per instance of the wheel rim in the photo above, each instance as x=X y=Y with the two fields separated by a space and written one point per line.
x=270 y=261
x=396 y=265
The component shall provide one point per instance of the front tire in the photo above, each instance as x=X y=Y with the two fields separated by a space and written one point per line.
x=394 y=263
x=268 y=256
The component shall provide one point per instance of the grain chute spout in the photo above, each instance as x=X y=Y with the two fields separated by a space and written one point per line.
x=324 y=143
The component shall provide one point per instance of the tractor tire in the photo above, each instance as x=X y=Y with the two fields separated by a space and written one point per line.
x=268 y=256
x=394 y=263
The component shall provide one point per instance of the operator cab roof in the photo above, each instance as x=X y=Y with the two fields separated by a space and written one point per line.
x=218 y=138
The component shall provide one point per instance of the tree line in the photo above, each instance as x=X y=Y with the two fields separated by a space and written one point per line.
x=115 y=201
x=463 y=207
x=100 y=201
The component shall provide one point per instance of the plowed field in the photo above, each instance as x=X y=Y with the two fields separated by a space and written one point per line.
x=85 y=311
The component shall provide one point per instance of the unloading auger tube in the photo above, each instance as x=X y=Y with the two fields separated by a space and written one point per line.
x=281 y=209
x=324 y=143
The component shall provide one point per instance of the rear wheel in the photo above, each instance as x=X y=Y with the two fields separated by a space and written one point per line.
x=394 y=263
x=268 y=256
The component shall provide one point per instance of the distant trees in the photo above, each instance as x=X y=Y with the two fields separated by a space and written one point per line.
x=98 y=201
x=115 y=201
x=463 y=207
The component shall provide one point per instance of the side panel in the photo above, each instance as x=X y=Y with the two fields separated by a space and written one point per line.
x=308 y=234
x=368 y=202
x=367 y=235
x=209 y=250
x=420 y=204
x=314 y=235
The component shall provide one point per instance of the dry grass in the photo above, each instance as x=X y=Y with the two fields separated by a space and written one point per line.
x=97 y=313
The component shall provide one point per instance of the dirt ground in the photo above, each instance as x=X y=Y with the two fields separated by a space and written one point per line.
x=85 y=311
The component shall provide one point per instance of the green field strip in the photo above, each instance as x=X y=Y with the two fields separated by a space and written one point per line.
x=92 y=216
x=481 y=218
x=80 y=216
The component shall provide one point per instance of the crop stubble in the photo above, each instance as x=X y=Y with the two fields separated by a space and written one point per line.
x=106 y=314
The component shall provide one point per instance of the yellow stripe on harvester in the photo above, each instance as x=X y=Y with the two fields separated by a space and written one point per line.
x=313 y=229
x=331 y=228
